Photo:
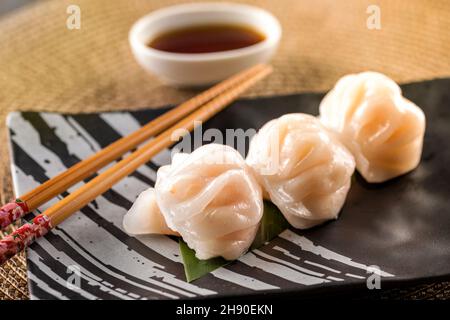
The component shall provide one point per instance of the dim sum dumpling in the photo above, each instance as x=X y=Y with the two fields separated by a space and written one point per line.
x=382 y=129
x=144 y=217
x=305 y=170
x=212 y=199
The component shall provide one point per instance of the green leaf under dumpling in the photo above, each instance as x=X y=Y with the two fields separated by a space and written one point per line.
x=195 y=268
x=272 y=224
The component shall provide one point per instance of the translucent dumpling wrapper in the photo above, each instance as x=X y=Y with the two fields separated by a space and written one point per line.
x=144 y=217
x=305 y=170
x=212 y=199
x=382 y=129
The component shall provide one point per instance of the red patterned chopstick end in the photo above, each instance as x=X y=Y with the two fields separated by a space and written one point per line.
x=12 y=211
x=22 y=237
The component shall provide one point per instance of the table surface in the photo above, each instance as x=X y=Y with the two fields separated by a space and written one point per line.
x=45 y=66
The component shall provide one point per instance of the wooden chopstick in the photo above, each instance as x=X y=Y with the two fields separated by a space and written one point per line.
x=86 y=168
x=57 y=213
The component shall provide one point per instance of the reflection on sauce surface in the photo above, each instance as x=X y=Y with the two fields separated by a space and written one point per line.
x=207 y=38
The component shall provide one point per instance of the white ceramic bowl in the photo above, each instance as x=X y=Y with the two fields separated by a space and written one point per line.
x=199 y=69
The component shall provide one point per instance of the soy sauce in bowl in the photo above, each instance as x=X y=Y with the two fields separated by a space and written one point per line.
x=199 y=44
x=207 y=38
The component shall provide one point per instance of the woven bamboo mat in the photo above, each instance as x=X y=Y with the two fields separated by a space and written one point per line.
x=45 y=66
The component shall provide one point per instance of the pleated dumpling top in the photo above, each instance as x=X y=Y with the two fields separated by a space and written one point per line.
x=305 y=171
x=211 y=198
x=383 y=130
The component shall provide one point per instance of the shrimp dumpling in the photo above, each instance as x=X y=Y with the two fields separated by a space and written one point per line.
x=144 y=217
x=303 y=168
x=382 y=129
x=211 y=198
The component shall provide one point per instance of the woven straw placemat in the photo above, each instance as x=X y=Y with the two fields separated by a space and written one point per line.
x=45 y=66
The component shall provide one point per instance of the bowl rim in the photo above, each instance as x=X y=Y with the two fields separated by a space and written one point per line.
x=271 y=39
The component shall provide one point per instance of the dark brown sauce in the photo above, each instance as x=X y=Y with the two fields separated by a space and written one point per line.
x=207 y=38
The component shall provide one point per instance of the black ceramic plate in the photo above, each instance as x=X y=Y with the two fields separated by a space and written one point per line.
x=402 y=226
